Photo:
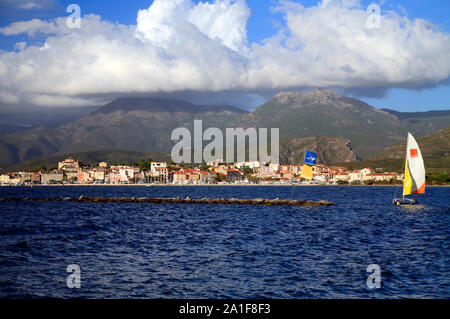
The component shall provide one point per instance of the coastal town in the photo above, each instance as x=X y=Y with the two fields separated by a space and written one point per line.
x=72 y=172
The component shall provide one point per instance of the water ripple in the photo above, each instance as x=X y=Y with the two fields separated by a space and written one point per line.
x=131 y=250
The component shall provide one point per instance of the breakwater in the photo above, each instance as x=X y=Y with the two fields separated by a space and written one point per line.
x=177 y=200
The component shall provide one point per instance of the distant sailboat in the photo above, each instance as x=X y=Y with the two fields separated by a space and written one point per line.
x=414 y=180
x=309 y=160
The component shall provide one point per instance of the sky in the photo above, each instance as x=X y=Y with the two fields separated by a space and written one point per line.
x=238 y=52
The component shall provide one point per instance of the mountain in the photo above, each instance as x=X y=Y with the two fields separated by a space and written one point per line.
x=435 y=150
x=328 y=149
x=422 y=123
x=156 y=105
x=146 y=124
x=26 y=116
x=134 y=124
x=12 y=128
x=326 y=113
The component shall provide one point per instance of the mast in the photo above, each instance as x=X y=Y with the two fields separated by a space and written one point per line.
x=406 y=163
x=292 y=190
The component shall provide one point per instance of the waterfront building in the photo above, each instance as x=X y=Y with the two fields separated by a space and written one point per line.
x=215 y=162
x=249 y=164
x=380 y=177
x=126 y=174
x=160 y=174
x=69 y=164
x=156 y=165
x=52 y=177
x=233 y=174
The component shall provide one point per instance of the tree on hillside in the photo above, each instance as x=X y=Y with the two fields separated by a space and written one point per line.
x=40 y=168
x=145 y=165
x=247 y=170
x=220 y=178
x=204 y=167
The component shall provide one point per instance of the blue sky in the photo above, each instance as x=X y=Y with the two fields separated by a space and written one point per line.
x=262 y=24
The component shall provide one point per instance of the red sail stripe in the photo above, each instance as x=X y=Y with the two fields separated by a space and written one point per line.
x=421 y=190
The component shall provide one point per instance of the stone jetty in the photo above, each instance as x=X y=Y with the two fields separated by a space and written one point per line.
x=178 y=200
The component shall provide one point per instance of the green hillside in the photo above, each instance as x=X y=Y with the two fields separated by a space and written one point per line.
x=328 y=150
x=87 y=158
x=423 y=123
x=435 y=150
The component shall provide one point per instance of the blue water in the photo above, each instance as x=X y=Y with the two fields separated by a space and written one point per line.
x=135 y=250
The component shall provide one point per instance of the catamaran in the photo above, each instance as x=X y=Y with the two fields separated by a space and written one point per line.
x=414 y=180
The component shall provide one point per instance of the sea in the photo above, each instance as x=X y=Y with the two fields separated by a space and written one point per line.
x=361 y=247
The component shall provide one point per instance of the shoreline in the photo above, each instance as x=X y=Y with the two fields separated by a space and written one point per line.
x=204 y=185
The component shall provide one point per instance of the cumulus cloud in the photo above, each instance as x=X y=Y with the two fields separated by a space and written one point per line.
x=19 y=46
x=179 y=46
x=30 y=6
x=223 y=21
x=31 y=27
x=25 y=8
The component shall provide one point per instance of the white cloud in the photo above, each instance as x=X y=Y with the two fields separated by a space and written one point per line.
x=30 y=6
x=27 y=5
x=335 y=39
x=19 y=46
x=224 y=21
x=179 y=46
x=31 y=27
x=58 y=100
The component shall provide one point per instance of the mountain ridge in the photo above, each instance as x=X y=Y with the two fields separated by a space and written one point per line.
x=161 y=105
x=405 y=115
x=145 y=125
x=326 y=113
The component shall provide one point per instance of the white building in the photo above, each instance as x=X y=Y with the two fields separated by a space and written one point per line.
x=161 y=174
x=249 y=164
x=156 y=165
x=341 y=177
x=126 y=173
x=275 y=167
x=215 y=162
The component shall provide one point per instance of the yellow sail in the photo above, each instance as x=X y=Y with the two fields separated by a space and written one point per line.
x=307 y=172
x=407 y=184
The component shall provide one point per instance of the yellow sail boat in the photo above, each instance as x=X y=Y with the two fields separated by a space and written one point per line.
x=414 y=180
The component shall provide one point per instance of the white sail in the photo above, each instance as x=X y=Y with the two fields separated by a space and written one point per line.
x=414 y=182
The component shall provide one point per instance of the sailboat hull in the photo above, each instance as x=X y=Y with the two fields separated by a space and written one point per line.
x=404 y=201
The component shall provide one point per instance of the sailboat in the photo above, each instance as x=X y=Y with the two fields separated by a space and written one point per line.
x=414 y=180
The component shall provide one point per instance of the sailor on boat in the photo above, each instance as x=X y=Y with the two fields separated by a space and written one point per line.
x=404 y=201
